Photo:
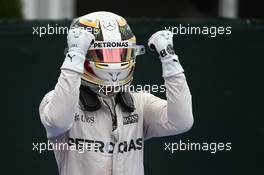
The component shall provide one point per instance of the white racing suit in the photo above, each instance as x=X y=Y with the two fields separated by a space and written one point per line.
x=110 y=140
x=118 y=152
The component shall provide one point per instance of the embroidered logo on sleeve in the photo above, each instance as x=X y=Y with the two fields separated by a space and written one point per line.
x=130 y=119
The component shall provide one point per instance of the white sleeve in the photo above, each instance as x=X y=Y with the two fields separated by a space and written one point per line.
x=58 y=107
x=172 y=116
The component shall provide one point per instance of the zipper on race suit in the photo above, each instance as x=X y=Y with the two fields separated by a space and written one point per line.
x=113 y=114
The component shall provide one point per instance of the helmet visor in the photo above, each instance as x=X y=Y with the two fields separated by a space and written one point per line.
x=114 y=55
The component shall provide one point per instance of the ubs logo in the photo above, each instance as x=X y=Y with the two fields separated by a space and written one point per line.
x=84 y=118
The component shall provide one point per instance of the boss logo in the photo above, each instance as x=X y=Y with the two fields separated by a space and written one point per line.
x=130 y=119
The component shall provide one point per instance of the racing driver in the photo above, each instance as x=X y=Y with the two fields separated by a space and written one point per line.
x=108 y=130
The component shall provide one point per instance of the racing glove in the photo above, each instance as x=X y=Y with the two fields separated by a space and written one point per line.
x=161 y=42
x=79 y=41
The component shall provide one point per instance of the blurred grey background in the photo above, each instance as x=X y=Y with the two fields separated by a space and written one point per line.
x=67 y=9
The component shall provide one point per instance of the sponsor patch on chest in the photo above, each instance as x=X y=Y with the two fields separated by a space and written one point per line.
x=84 y=118
x=130 y=119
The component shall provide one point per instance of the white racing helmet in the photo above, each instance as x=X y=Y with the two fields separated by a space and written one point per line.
x=110 y=61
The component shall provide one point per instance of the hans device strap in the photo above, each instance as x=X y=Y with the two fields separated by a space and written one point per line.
x=126 y=101
x=89 y=99
x=91 y=102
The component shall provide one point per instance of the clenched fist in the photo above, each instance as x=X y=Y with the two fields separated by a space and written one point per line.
x=161 y=42
x=79 y=41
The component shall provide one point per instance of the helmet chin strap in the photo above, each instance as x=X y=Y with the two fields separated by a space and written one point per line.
x=104 y=91
x=100 y=91
x=90 y=101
